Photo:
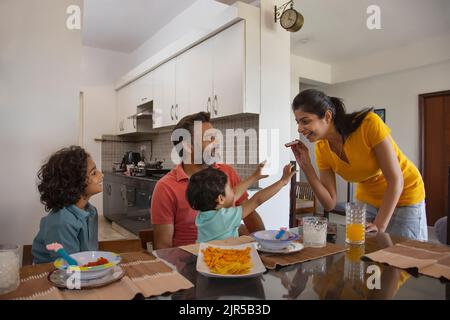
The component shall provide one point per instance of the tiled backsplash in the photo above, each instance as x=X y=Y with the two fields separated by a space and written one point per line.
x=159 y=145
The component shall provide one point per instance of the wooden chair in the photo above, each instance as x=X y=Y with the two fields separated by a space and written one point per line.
x=305 y=201
x=340 y=206
x=302 y=200
x=146 y=238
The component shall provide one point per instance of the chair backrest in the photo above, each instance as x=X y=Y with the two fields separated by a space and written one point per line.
x=304 y=191
x=146 y=236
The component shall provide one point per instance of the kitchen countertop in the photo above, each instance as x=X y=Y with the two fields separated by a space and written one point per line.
x=120 y=174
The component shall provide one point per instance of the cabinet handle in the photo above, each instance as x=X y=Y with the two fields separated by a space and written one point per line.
x=208 y=104
x=176 y=111
x=171 y=112
x=108 y=189
x=215 y=104
x=134 y=122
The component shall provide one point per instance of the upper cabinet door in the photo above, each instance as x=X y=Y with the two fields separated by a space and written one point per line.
x=229 y=71
x=144 y=90
x=182 y=84
x=199 y=63
x=164 y=95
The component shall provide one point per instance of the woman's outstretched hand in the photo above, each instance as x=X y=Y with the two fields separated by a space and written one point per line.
x=301 y=154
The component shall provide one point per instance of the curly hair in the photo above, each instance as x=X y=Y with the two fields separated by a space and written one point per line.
x=204 y=188
x=62 y=180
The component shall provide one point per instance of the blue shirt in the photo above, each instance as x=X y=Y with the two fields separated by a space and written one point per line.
x=74 y=228
x=218 y=224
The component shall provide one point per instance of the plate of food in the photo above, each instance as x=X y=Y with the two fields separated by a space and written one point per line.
x=240 y=261
x=62 y=279
x=91 y=264
x=291 y=248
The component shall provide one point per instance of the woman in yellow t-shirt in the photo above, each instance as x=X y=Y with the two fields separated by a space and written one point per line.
x=359 y=148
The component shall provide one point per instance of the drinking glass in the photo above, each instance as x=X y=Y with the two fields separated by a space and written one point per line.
x=355 y=218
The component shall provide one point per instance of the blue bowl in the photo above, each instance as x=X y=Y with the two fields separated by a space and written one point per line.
x=266 y=238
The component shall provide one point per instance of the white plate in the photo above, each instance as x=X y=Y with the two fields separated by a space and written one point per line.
x=59 y=278
x=257 y=269
x=293 y=247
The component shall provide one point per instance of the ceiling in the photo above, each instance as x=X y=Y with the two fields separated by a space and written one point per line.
x=123 y=25
x=335 y=30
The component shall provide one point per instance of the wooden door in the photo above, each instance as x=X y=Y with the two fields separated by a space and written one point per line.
x=435 y=152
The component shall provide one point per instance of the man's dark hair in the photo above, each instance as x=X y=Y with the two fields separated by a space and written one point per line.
x=63 y=179
x=204 y=188
x=188 y=123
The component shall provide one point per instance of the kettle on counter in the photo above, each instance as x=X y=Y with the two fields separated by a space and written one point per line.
x=130 y=157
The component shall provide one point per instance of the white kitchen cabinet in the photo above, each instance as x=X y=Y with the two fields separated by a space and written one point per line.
x=144 y=90
x=219 y=75
x=228 y=55
x=128 y=99
x=164 y=94
x=123 y=99
x=199 y=71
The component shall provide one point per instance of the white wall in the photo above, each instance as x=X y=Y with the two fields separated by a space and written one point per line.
x=398 y=94
x=275 y=112
x=39 y=105
x=99 y=71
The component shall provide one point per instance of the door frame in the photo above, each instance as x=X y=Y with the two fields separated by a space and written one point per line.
x=422 y=125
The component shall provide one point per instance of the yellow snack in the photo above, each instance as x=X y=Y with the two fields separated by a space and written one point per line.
x=227 y=261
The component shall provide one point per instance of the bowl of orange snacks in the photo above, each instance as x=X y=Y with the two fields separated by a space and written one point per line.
x=239 y=261
x=91 y=264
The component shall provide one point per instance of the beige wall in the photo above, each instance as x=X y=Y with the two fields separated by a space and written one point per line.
x=39 y=104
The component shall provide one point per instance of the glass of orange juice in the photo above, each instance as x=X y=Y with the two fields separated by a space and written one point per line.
x=355 y=218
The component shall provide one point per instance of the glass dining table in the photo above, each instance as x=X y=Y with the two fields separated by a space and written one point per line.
x=339 y=276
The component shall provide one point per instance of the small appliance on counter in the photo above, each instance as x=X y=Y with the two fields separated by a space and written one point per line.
x=130 y=158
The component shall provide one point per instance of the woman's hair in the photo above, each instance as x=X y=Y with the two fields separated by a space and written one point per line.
x=204 y=188
x=318 y=103
x=63 y=179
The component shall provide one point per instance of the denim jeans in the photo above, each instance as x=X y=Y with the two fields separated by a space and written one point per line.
x=408 y=221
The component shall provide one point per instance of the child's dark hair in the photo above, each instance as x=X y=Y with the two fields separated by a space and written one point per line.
x=204 y=188
x=62 y=180
x=317 y=102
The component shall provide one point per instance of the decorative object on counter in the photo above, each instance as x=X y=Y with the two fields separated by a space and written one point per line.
x=290 y=19
x=9 y=268
x=117 y=167
x=157 y=164
x=58 y=248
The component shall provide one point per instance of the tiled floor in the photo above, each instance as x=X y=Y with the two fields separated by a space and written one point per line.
x=106 y=231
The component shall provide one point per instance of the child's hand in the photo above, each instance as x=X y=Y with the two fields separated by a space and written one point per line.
x=257 y=175
x=288 y=173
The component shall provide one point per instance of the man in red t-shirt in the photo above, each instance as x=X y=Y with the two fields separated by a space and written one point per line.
x=172 y=218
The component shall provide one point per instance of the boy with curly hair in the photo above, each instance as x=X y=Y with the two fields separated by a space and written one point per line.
x=66 y=183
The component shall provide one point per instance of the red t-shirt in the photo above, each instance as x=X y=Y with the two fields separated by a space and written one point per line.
x=170 y=205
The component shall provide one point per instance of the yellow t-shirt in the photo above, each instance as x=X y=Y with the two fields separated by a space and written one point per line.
x=363 y=167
